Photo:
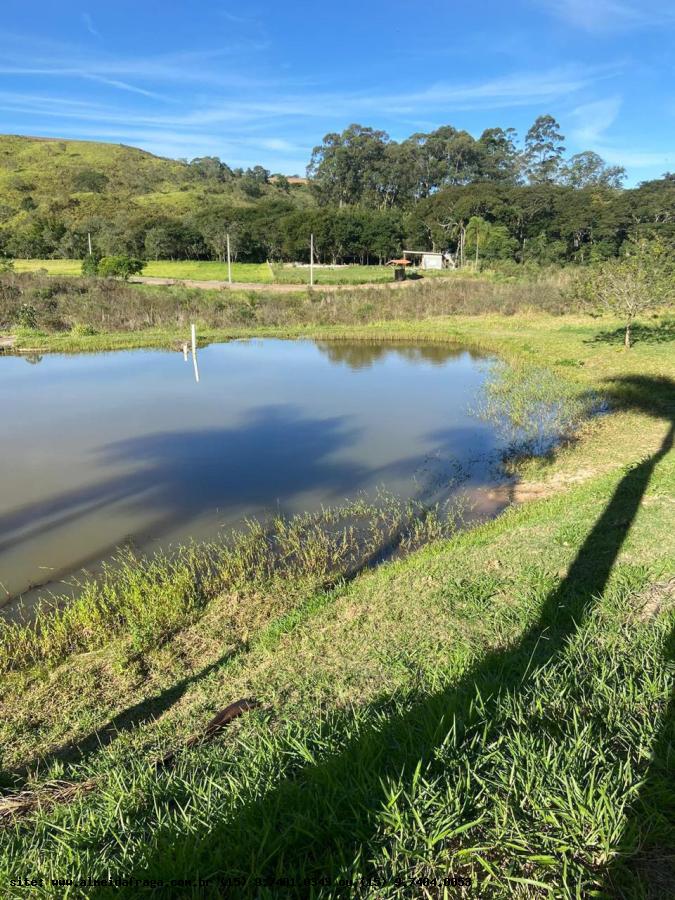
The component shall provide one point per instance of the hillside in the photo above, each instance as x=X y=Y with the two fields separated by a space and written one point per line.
x=53 y=191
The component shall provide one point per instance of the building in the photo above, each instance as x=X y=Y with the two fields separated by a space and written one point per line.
x=429 y=259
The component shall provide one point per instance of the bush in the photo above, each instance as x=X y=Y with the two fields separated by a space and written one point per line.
x=90 y=265
x=27 y=316
x=79 y=330
x=6 y=265
x=119 y=266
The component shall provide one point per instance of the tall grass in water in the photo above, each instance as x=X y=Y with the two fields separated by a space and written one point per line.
x=146 y=599
x=533 y=408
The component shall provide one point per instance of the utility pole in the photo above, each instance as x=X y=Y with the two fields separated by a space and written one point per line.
x=229 y=260
x=311 y=260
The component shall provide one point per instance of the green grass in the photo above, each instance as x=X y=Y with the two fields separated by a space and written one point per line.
x=494 y=707
x=252 y=273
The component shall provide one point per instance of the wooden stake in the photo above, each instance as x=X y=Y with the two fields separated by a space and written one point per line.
x=311 y=260
x=89 y=242
x=229 y=260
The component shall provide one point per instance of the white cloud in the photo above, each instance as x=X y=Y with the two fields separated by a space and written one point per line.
x=611 y=15
x=89 y=24
x=592 y=120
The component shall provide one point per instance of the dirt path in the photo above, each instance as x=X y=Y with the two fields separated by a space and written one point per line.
x=262 y=286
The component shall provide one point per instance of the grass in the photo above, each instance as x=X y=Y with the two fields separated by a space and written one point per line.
x=45 y=312
x=493 y=708
x=255 y=273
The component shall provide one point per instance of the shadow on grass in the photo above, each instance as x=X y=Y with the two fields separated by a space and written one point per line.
x=645 y=862
x=79 y=751
x=640 y=334
x=322 y=818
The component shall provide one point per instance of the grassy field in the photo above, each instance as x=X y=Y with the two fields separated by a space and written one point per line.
x=252 y=273
x=494 y=710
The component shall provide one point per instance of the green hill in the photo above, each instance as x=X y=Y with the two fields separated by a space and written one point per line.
x=53 y=191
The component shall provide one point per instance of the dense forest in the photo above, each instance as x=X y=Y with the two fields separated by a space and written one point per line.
x=365 y=198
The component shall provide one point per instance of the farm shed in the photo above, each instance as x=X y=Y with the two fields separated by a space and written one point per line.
x=427 y=259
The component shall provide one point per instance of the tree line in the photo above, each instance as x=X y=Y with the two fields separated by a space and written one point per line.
x=484 y=199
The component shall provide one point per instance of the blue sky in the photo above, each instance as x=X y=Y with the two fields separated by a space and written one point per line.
x=262 y=83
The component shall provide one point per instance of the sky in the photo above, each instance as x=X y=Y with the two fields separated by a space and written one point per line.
x=262 y=83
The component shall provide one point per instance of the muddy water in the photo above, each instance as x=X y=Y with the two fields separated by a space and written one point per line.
x=106 y=449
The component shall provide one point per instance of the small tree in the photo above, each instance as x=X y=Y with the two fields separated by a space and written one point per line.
x=120 y=266
x=638 y=281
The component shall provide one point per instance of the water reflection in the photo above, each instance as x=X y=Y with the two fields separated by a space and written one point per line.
x=112 y=448
x=363 y=354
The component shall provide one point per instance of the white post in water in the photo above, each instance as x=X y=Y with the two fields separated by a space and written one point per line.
x=229 y=260
x=194 y=352
x=185 y=352
x=311 y=260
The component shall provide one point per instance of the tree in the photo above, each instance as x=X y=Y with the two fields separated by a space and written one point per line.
x=498 y=158
x=543 y=150
x=588 y=169
x=344 y=167
x=90 y=180
x=120 y=267
x=209 y=168
x=638 y=281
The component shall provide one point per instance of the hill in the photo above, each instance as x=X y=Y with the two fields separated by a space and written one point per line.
x=53 y=191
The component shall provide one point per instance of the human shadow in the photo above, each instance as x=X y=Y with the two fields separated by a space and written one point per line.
x=644 y=865
x=324 y=813
x=640 y=334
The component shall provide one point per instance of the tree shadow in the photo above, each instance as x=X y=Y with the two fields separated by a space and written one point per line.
x=274 y=452
x=640 y=334
x=325 y=813
x=78 y=751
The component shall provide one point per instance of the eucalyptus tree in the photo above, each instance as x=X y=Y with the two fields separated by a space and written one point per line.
x=589 y=169
x=544 y=150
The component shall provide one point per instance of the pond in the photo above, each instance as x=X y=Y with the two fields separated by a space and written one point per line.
x=102 y=450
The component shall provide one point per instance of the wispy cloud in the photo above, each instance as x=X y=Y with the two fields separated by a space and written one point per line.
x=590 y=121
x=89 y=24
x=530 y=88
x=238 y=19
x=611 y=15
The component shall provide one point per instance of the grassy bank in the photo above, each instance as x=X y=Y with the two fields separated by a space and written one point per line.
x=89 y=314
x=492 y=709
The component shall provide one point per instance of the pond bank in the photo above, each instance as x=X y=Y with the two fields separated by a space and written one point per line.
x=494 y=707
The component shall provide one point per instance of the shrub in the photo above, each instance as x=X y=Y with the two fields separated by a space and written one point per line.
x=79 y=330
x=119 y=266
x=90 y=265
x=27 y=316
